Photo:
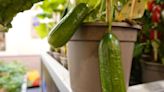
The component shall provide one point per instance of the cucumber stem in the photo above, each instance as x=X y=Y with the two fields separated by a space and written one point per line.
x=109 y=13
x=107 y=10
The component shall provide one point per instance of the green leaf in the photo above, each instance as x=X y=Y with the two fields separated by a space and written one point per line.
x=53 y=5
x=9 y=8
x=44 y=15
x=129 y=12
x=138 y=50
x=42 y=30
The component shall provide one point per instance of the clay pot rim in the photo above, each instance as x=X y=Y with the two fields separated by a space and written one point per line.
x=152 y=63
x=146 y=59
x=114 y=24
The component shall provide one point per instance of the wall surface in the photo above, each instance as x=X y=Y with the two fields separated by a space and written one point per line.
x=19 y=38
x=31 y=62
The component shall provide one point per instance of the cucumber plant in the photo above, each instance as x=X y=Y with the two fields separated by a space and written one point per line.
x=111 y=72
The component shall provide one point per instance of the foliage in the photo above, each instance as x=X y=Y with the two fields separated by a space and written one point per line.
x=51 y=11
x=151 y=37
x=11 y=76
x=52 y=7
x=9 y=8
x=133 y=9
x=123 y=9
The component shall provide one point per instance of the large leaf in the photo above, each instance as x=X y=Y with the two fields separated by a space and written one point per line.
x=53 y=5
x=9 y=8
x=133 y=9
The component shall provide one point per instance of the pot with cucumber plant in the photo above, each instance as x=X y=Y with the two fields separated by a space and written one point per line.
x=151 y=42
x=98 y=47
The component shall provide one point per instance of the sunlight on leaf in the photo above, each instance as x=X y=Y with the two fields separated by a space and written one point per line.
x=42 y=30
x=137 y=10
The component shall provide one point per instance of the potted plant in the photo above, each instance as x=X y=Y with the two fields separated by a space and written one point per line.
x=83 y=46
x=151 y=42
x=11 y=76
x=5 y=20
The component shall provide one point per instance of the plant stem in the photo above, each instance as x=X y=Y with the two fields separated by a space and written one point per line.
x=156 y=47
x=101 y=8
x=109 y=13
x=107 y=10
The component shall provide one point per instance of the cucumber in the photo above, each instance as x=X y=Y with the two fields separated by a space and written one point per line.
x=111 y=72
x=64 y=30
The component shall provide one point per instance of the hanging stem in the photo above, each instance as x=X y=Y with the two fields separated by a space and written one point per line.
x=109 y=13
x=107 y=10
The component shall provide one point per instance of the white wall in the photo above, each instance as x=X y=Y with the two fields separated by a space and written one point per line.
x=19 y=40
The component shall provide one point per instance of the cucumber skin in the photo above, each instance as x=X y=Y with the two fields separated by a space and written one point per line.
x=111 y=71
x=64 y=30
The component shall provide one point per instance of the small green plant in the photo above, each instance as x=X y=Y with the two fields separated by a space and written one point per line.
x=11 y=76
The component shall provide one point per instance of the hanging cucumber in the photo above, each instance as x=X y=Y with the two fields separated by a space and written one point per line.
x=111 y=71
x=64 y=30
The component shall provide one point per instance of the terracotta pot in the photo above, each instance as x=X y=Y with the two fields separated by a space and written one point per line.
x=83 y=54
x=152 y=71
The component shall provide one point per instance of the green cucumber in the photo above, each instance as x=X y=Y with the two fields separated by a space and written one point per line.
x=111 y=72
x=68 y=25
